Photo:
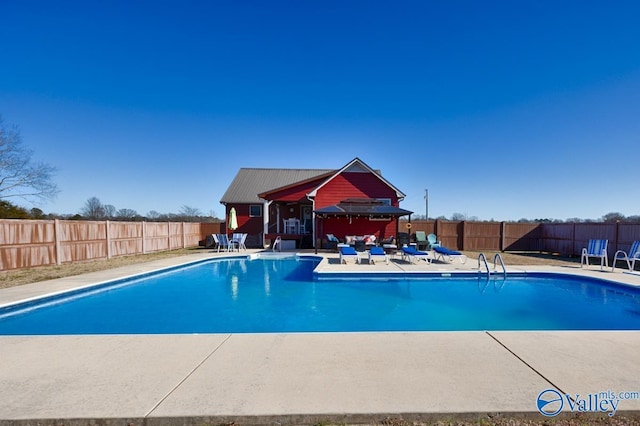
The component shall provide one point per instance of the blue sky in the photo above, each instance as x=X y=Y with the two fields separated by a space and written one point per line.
x=501 y=109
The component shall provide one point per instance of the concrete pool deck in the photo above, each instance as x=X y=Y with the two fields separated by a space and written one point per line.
x=305 y=377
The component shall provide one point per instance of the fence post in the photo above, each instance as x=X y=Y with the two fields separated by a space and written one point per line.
x=144 y=237
x=464 y=236
x=108 y=239
x=56 y=232
x=184 y=237
x=435 y=228
x=502 y=229
x=169 y=235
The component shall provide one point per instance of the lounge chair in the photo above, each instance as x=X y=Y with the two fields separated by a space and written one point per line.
x=377 y=253
x=348 y=253
x=596 y=248
x=630 y=257
x=433 y=241
x=449 y=255
x=412 y=253
x=421 y=240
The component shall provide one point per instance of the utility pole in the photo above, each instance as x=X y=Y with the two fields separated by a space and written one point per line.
x=426 y=202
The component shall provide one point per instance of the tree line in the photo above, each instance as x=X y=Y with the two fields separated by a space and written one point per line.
x=95 y=210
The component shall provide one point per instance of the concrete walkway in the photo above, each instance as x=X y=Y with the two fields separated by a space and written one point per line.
x=301 y=378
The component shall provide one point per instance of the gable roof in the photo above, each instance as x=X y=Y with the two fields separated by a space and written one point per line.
x=249 y=182
x=357 y=165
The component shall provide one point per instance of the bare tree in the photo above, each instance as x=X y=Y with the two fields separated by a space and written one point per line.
x=187 y=211
x=109 y=210
x=93 y=209
x=126 y=214
x=19 y=177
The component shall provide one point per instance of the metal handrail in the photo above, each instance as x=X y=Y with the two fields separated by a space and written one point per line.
x=482 y=257
x=497 y=257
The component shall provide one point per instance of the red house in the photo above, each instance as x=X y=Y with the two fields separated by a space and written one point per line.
x=306 y=204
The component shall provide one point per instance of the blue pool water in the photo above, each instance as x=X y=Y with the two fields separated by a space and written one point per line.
x=281 y=295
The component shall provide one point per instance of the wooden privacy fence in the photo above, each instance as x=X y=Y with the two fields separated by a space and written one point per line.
x=30 y=243
x=564 y=238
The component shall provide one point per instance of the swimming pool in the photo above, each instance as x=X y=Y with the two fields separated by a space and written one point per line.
x=243 y=295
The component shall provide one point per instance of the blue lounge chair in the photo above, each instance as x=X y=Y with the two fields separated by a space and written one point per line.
x=412 y=253
x=348 y=253
x=377 y=253
x=596 y=248
x=449 y=255
x=630 y=257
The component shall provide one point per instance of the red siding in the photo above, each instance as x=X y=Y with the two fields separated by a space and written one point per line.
x=354 y=185
x=246 y=224
x=295 y=193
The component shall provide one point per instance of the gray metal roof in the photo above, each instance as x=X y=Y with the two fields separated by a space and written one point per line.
x=250 y=182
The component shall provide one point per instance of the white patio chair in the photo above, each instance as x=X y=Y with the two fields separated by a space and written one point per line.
x=596 y=248
x=630 y=258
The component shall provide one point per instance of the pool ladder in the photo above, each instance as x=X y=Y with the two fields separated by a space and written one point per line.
x=482 y=260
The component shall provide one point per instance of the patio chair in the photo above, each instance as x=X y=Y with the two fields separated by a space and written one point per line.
x=389 y=245
x=433 y=241
x=421 y=240
x=630 y=257
x=239 y=241
x=412 y=253
x=448 y=255
x=210 y=241
x=596 y=248
x=223 y=242
x=332 y=242
x=348 y=253
x=377 y=253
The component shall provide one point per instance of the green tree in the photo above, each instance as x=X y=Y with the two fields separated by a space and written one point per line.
x=613 y=217
x=10 y=211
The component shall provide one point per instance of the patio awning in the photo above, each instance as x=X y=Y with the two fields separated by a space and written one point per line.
x=362 y=207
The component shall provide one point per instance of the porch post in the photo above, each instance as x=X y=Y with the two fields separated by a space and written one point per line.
x=265 y=220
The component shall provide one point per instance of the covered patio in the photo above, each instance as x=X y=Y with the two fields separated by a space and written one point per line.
x=359 y=216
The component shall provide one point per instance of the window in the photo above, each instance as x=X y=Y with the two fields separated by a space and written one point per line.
x=385 y=201
x=255 y=210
